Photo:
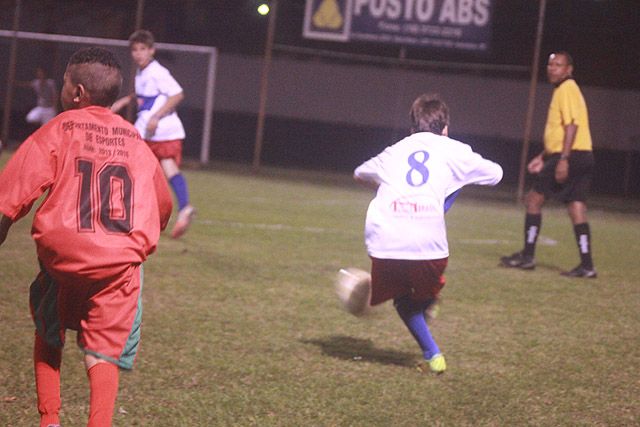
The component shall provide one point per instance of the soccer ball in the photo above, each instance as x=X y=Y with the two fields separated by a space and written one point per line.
x=353 y=287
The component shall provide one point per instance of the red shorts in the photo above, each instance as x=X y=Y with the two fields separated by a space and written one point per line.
x=422 y=280
x=107 y=313
x=167 y=149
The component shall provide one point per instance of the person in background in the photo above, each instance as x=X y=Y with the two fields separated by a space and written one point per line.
x=46 y=93
x=563 y=169
x=158 y=94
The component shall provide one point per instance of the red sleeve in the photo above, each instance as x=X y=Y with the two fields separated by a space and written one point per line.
x=165 y=204
x=27 y=175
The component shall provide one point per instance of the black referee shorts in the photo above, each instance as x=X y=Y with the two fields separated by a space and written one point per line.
x=577 y=186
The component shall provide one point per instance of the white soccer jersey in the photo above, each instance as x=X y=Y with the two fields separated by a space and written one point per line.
x=406 y=218
x=46 y=92
x=154 y=84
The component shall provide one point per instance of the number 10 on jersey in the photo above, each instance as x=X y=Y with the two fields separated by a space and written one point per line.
x=105 y=196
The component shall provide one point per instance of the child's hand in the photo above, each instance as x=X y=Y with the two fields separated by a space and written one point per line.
x=152 y=125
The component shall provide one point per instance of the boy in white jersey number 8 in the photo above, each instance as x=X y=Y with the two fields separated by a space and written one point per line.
x=416 y=180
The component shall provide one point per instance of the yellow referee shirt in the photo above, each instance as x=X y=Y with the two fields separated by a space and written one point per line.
x=567 y=106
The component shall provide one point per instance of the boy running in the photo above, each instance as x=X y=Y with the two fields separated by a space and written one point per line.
x=158 y=94
x=106 y=204
x=416 y=180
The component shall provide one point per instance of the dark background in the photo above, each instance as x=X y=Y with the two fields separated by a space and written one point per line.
x=602 y=35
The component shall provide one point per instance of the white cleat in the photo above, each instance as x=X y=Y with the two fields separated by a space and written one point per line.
x=184 y=221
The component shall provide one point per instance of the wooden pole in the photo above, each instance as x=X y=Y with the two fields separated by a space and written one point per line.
x=264 y=82
x=532 y=99
x=11 y=76
x=130 y=112
x=399 y=107
x=139 y=14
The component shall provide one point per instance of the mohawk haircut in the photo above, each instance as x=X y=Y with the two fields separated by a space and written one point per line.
x=429 y=114
x=98 y=70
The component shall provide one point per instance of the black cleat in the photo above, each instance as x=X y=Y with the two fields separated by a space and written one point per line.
x=582 y=272
x=518 y=260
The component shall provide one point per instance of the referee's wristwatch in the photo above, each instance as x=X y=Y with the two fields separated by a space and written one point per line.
x=564 y=157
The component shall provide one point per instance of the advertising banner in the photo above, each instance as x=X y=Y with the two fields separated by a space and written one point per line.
x=446 y=24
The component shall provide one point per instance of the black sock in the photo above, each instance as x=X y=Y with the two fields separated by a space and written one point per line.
x=583 y=239
x=532 y=223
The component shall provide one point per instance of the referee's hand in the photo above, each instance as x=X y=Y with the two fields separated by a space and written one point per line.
x=535 y=165
x=562 y=171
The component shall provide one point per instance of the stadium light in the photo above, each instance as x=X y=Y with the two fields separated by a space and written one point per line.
x=263 y=9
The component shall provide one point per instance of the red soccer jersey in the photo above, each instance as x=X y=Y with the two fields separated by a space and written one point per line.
x=107 y=197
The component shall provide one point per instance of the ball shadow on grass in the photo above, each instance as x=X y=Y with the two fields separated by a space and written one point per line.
x=361 y=350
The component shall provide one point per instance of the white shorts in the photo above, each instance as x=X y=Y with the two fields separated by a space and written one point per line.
x=41 y=115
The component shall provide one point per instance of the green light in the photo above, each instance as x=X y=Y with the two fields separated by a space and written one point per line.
x=263 y=9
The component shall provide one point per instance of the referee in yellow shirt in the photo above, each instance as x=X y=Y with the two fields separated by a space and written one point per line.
x=563 y=170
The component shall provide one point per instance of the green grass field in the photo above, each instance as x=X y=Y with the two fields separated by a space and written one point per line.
x=242 y=327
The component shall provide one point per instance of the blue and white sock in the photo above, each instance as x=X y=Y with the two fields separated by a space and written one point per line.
x=412 y=314
x=179 y=186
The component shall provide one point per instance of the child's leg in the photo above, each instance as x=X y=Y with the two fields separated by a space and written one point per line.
x=47 y=362
x=179 y=186
x=103 y=382
x=110 y=332
x=412 y=314
x=176 y=181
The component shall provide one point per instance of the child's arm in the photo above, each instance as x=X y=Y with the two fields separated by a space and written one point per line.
x=5 y=224
x=366 y=182
x=165 y=204
x=167 y=108
x=369 y=173
x=121 y=103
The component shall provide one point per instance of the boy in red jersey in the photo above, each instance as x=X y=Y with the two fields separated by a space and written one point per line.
x=107 y=202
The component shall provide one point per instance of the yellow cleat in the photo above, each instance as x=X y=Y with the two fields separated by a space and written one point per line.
x=437 y=364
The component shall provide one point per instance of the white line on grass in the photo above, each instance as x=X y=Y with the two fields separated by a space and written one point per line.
x=542 y=240
x=483 y=241
x=302 y=201
x=270 y=227
x=545 y=241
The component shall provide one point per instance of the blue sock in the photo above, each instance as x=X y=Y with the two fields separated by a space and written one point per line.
x=412 y=314
x=179 y=185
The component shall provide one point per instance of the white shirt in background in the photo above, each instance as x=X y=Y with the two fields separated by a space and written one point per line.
x=154 y=84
